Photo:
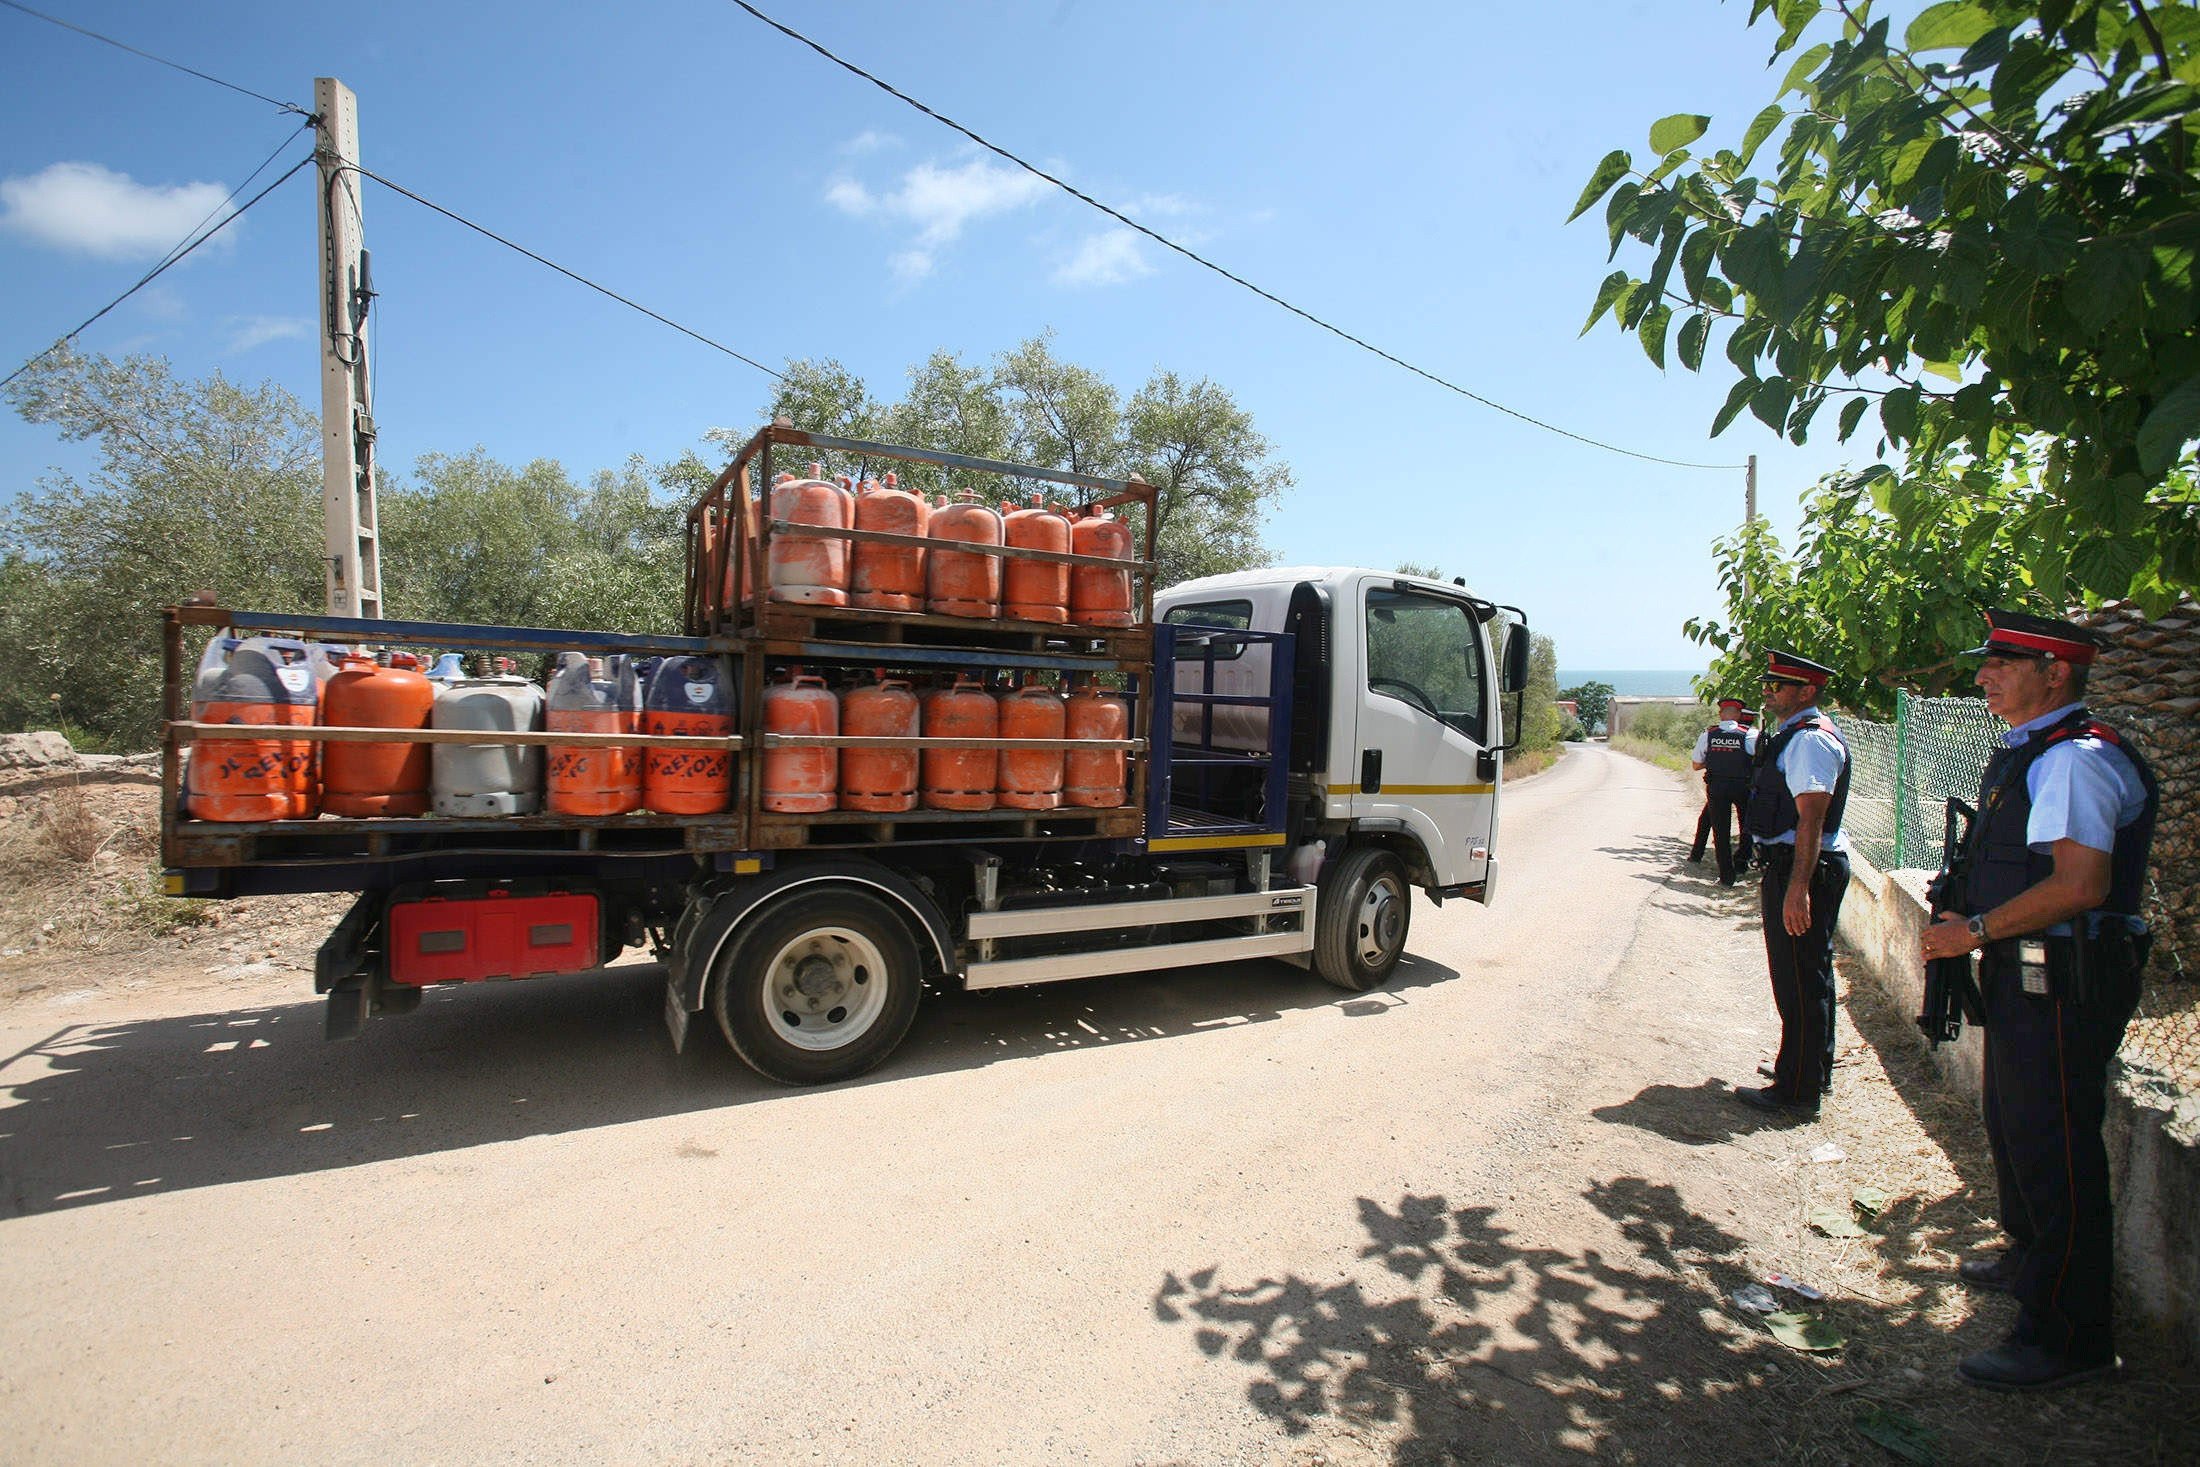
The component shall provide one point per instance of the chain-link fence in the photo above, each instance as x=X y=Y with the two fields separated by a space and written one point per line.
x=1903 y=774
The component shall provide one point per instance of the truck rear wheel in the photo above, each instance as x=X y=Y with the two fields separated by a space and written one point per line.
x=820 y=988
x=1361 y=922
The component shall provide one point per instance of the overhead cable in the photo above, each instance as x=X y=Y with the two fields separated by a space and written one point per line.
x=571 y=275
x=1205 y=263
x=149 y=56
x=175 y=257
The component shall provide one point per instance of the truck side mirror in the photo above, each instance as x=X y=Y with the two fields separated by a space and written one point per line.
x=1516 y=661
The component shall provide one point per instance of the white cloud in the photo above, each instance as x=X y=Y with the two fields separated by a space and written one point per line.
x=937 y=203
x=96 y=211
x=850 y=197
x=247 y=332
x=870 y=140
x=1112 y=258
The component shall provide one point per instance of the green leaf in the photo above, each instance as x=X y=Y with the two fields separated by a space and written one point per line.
x=1655 y=322
x=1852 y=413
x=1834 y=1222
x=1869 y=1202
x=1947 y=371
x=1760 y=127
x=1737 y=398
x=1607 y=293
x=1905 y=1436
x=1950 y=26
x=1717 y=294
x=1609 y=171
x=1898 y=414
x=1676 y=131
x=1617 y=210
x=1805 y=1332
x=1696 y=261
x=2108 y=284
x=1770 y=402
x=2174 y=422
x=1693 y=333
x=1804 y=65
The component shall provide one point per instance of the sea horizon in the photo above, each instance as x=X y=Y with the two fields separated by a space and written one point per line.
x=1636 y=682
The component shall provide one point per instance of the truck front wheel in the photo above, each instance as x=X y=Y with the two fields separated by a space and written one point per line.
x=1361 y=922
x=821 y=987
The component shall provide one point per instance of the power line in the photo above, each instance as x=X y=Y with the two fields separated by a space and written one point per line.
x=149 y=56
x=176 y=257
x=1200 y=260
x=554 y=265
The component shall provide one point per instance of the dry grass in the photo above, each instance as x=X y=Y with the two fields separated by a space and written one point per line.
x=70 y=829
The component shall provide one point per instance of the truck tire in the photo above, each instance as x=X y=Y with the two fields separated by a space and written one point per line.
x=1362 y=918
x=817 y=988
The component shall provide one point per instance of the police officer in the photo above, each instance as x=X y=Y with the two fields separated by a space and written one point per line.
x=2051 y=905
x=1796 y=801
x=1726 y=753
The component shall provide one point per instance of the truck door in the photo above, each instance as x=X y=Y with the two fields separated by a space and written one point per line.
x=1423 y=722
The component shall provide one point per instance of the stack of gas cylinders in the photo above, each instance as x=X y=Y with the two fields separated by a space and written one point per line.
x=820 y=570
x=271 y=683
x=800 y=779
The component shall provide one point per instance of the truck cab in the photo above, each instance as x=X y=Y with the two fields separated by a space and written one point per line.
x=1398 y=731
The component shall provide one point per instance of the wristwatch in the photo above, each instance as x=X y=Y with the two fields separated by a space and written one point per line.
x=1977 y=926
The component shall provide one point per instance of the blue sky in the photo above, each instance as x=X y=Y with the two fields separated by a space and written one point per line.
x=1403 y=170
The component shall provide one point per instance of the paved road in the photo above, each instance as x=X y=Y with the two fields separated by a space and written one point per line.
x=1212 y=1216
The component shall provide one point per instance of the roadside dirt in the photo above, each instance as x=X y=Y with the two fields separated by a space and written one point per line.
x=1495 y=1211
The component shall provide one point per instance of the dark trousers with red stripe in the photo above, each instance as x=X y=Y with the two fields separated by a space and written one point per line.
x=1802 y=971
x=2046 y=1093
x=1723 y=806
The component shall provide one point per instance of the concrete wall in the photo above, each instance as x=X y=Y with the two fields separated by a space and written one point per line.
x=2153 y=1134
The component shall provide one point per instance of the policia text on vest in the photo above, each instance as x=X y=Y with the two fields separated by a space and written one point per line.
x=2053 y=871
x=1726 y=753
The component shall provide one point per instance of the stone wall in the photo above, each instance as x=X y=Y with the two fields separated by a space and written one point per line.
x=2147 y=683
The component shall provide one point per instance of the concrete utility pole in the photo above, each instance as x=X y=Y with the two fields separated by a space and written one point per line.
x=347 y=414
x=1749 y=517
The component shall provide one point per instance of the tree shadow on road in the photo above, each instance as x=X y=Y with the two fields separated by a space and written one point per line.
x=97 y=1112
x=1457 y=1340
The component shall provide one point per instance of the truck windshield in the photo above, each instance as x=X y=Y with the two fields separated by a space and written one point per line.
x=1423 y=650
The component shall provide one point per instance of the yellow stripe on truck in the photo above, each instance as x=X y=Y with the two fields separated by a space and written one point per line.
x=1214 y=842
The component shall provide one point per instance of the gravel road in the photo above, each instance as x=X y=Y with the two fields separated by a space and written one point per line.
x=1227 y=1215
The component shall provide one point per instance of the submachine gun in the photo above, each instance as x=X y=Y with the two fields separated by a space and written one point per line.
x=1951 y=993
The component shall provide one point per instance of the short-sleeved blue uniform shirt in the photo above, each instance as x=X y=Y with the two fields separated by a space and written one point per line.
x=1811 y=764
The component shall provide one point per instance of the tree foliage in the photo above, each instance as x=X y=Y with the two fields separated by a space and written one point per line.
x=1592 y=703
x=1984 y=232
x=204 y=485
x=1216 y=474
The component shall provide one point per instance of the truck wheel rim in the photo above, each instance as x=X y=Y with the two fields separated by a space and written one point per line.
x=825 y=989
x=1376 y=933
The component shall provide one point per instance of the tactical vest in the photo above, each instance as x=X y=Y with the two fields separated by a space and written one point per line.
x=1726 y=759
x=1771 y=805
x=2002 y=861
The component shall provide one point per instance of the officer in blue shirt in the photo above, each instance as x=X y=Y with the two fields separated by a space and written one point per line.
x=2056 y=864
x=1796 y=802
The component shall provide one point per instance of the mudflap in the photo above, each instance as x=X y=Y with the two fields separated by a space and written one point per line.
x=676 y=1014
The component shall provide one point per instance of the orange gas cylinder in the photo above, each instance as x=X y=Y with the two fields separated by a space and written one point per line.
x=265 y=682
x=889 y=577
x=879 y=779
x=801 y=781
x=1096 y=780
x=1032 y=780
x=1099 y=597
x=961 y=779
x=810 y=570
x=958 y=582
x=692 y=697
x=377 y=778
x=593 y=779
x=1036 y=590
